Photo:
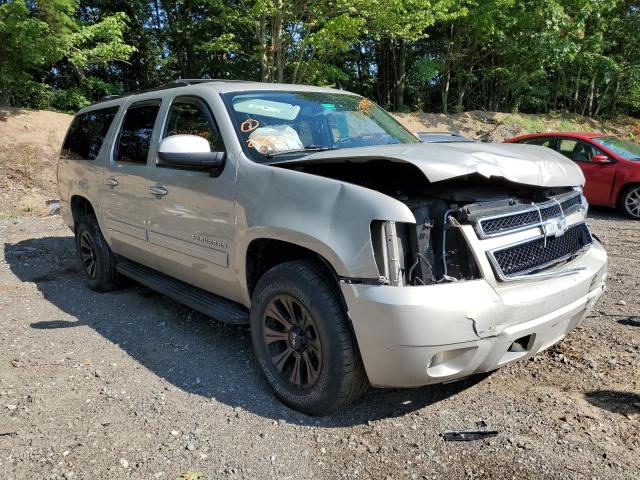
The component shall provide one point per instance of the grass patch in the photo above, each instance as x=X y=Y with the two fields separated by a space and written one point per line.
x=544 y=123
x=526 y=123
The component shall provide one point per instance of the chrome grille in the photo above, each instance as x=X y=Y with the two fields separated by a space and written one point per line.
x=505 y=223
x=537 y=254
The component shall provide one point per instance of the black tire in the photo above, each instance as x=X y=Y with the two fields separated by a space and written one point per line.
x=321 y=326
x=630 y=201
x=97 y=262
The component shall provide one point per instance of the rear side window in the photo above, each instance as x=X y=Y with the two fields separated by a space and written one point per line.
x=135 y=134
x=542 y=141
x=86 y=134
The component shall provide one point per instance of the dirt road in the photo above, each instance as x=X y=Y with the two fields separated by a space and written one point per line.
x=130 y=384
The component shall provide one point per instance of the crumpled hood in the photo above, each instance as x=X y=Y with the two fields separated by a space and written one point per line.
x=526 y=164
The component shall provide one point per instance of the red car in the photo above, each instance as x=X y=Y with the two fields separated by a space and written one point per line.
x=611 y=166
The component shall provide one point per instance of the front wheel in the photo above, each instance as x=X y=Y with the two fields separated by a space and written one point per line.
x=302 y=340
x=630 y=202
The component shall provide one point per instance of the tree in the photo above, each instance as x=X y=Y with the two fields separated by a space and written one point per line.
x=441 y=55
x=25 y=44
x=40 y=38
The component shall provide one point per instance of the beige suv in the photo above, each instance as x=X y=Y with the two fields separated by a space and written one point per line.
x=358 y=255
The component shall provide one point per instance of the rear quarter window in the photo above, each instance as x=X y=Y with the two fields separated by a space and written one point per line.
x=86 y=134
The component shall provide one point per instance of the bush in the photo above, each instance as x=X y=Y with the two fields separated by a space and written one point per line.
x=69 y=101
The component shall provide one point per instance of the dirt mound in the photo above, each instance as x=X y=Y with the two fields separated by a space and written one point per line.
x=29 y=145
x=30 y=141
x=498 y=127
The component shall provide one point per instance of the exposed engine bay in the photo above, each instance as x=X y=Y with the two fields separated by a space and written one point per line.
x=434 y=250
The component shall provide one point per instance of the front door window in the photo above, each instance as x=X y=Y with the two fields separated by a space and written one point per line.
x=189 y=116
x=577 y=150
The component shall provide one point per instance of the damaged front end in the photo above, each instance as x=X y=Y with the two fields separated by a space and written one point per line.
x=459 y=289
x=433 y=250
x=438 y=247
x=458 y=221
x=463 y=198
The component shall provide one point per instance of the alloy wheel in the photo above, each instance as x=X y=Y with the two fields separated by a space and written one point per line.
x=632 y=202
x=88 y=254
x=291 y=336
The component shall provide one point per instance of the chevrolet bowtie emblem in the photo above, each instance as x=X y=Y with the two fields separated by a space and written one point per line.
x=555 y=227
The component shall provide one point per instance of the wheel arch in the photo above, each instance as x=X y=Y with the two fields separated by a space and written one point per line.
x=264 y=253
x=623 y=189
x=80 y=206
x=623 y=192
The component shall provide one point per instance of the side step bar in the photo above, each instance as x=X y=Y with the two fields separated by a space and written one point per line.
x=205 y=302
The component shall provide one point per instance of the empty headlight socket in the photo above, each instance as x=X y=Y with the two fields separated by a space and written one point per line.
x=388 y=252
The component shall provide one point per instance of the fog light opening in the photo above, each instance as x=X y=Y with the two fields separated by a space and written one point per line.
x=522 y=344
x=450 y=362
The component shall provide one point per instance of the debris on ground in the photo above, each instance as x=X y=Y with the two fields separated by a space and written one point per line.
x=53 y=207
x=467 y=435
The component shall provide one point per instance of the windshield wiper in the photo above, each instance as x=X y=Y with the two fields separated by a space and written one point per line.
x=308 y=149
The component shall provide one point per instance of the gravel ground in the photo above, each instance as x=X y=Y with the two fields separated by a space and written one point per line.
x=130 y=384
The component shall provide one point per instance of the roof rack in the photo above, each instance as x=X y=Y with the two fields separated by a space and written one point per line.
x=193 y=81
x=180 y=82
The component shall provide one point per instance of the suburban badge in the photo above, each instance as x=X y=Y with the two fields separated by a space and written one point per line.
x=208 y=241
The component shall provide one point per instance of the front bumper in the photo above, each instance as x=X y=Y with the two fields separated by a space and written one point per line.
x=419 y=335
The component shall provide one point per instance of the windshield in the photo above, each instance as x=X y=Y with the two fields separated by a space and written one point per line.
x=288 y=125
x=623 y=148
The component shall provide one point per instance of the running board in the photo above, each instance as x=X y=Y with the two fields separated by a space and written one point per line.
x=205 y=302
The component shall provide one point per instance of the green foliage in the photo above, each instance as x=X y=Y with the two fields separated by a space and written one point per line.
x=557 y=122
x=69 y=100
x=47 y=40
x=506 y=55
x=100 y=43
x=527 y=124
x=323 y=75
x=24 y=44
x=425 y=70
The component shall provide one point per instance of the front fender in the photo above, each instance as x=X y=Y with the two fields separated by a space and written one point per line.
x=327 y=216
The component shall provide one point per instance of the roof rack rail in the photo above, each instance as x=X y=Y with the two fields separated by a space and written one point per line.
x=180 y=82
x=204 y=80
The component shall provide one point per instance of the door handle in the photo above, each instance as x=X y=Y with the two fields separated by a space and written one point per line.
x=158 y=189
x=112 y=182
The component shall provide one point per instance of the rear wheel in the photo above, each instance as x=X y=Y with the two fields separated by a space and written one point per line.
x=630 y=202
x=303 y=342
x=96 y=259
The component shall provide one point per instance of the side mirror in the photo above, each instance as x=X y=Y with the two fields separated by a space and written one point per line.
x=190 y=152
x=600 y=159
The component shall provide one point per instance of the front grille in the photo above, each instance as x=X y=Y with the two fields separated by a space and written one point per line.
x=535 y=255
x=498 y=225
